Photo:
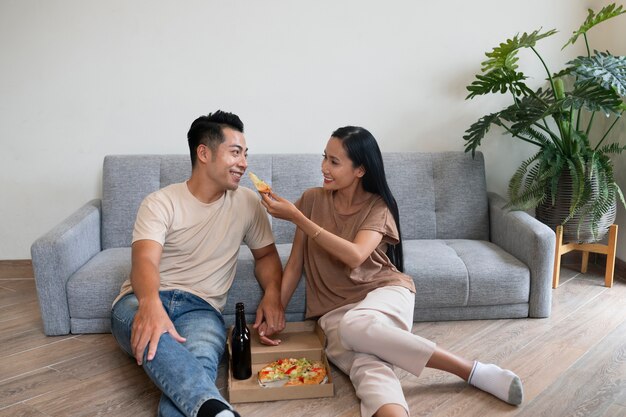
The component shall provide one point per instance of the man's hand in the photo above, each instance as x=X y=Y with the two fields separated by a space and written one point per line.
x=270 y=315
x=270 y=318
x=150 y=323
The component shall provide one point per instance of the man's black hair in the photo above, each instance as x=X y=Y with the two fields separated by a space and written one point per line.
x=208 y=130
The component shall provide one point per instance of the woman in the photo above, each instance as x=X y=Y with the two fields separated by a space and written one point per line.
x=349 y=242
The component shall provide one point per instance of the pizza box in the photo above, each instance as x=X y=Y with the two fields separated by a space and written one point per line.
x=302 y=339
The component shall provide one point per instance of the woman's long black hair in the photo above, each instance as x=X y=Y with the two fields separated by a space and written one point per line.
x=363 y=150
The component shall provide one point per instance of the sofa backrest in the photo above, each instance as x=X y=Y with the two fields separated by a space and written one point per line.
x=440 y=195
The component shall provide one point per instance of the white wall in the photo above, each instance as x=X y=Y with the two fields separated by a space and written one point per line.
x=613 y=39
x=83 y=79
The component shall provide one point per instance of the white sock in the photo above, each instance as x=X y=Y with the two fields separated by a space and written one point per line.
x=502 y=383
x=225 y=413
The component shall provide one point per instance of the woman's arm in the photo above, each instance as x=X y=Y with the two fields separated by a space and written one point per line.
x=352 y=253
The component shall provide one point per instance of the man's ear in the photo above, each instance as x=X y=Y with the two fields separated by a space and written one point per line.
x=203 y=153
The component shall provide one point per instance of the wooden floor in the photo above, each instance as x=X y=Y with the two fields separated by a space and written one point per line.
x=572 y=364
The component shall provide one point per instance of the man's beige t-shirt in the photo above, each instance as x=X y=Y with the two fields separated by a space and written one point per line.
x=200 y=241
x=331 y=283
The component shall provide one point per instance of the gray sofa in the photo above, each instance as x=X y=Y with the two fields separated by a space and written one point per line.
x=470 y=259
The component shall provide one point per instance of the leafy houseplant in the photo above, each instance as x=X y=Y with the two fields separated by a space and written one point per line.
x=558 y=119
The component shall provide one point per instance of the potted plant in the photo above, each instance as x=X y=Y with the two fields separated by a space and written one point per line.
x=558 y=118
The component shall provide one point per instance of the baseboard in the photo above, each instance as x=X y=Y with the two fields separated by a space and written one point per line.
x=16 y=268
x=21 y=263
x=620 y=268
x=575 y=258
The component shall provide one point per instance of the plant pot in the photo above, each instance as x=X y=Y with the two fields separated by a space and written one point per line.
x=579 y=227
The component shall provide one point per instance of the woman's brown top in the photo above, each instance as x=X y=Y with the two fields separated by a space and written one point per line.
x=331 y=283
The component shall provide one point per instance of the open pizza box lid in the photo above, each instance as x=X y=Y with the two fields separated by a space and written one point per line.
x=299 y=340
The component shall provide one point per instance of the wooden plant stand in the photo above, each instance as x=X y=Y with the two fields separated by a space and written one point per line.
x=608 y=250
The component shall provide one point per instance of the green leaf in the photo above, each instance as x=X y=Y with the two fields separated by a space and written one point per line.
x=562 y=73
x=477 y=131
x=515 y=183
x=614 y=148
x=603 y=190
x=505 y=54
x=554 y=181
x=533 y=134
x=498 y=80
x=603 y=68
x=528 y=111
x=533 y=179
x=593 y=19
x=580 y=193
x=593 y=97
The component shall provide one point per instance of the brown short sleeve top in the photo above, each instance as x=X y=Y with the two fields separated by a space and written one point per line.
x=332 y=284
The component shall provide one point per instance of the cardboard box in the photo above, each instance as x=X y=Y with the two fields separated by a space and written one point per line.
x=299 y=340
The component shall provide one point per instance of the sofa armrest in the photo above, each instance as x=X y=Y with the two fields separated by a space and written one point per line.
x=56 y=256
x=530 y=241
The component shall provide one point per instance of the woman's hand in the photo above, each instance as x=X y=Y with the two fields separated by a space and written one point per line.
x=279 y=207
x=264 y=336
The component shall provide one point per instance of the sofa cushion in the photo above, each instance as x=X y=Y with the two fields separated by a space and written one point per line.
x=456 y=273
x=174 y=169
x=439 y=195
x=410 y=177
x=495 y=276
x=126 y=180
x=461 y=203
x=92 y=289
x=440 y=275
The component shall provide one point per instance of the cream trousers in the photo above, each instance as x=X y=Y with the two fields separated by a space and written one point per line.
x=366 y=339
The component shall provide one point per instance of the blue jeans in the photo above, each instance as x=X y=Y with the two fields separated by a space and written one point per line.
x=184 y=372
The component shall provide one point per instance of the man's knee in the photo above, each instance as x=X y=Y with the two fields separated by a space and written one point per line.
x=121 y=329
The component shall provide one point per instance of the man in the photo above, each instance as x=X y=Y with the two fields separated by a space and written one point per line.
x=184 y=253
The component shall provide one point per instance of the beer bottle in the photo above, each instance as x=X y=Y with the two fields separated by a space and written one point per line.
x=241 y=359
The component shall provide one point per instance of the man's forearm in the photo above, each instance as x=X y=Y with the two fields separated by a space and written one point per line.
x=144 y=275
x=145 y=286
x=268 y=271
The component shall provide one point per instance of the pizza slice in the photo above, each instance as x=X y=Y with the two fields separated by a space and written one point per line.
x=273 y=374
x=311 y=373
x=260 y=185
x=290 y=371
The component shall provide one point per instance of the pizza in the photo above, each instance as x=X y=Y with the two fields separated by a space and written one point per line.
x=290 y=371
x=260 y=185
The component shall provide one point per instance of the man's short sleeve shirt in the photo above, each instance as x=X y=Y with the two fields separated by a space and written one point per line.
x=201 y=241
